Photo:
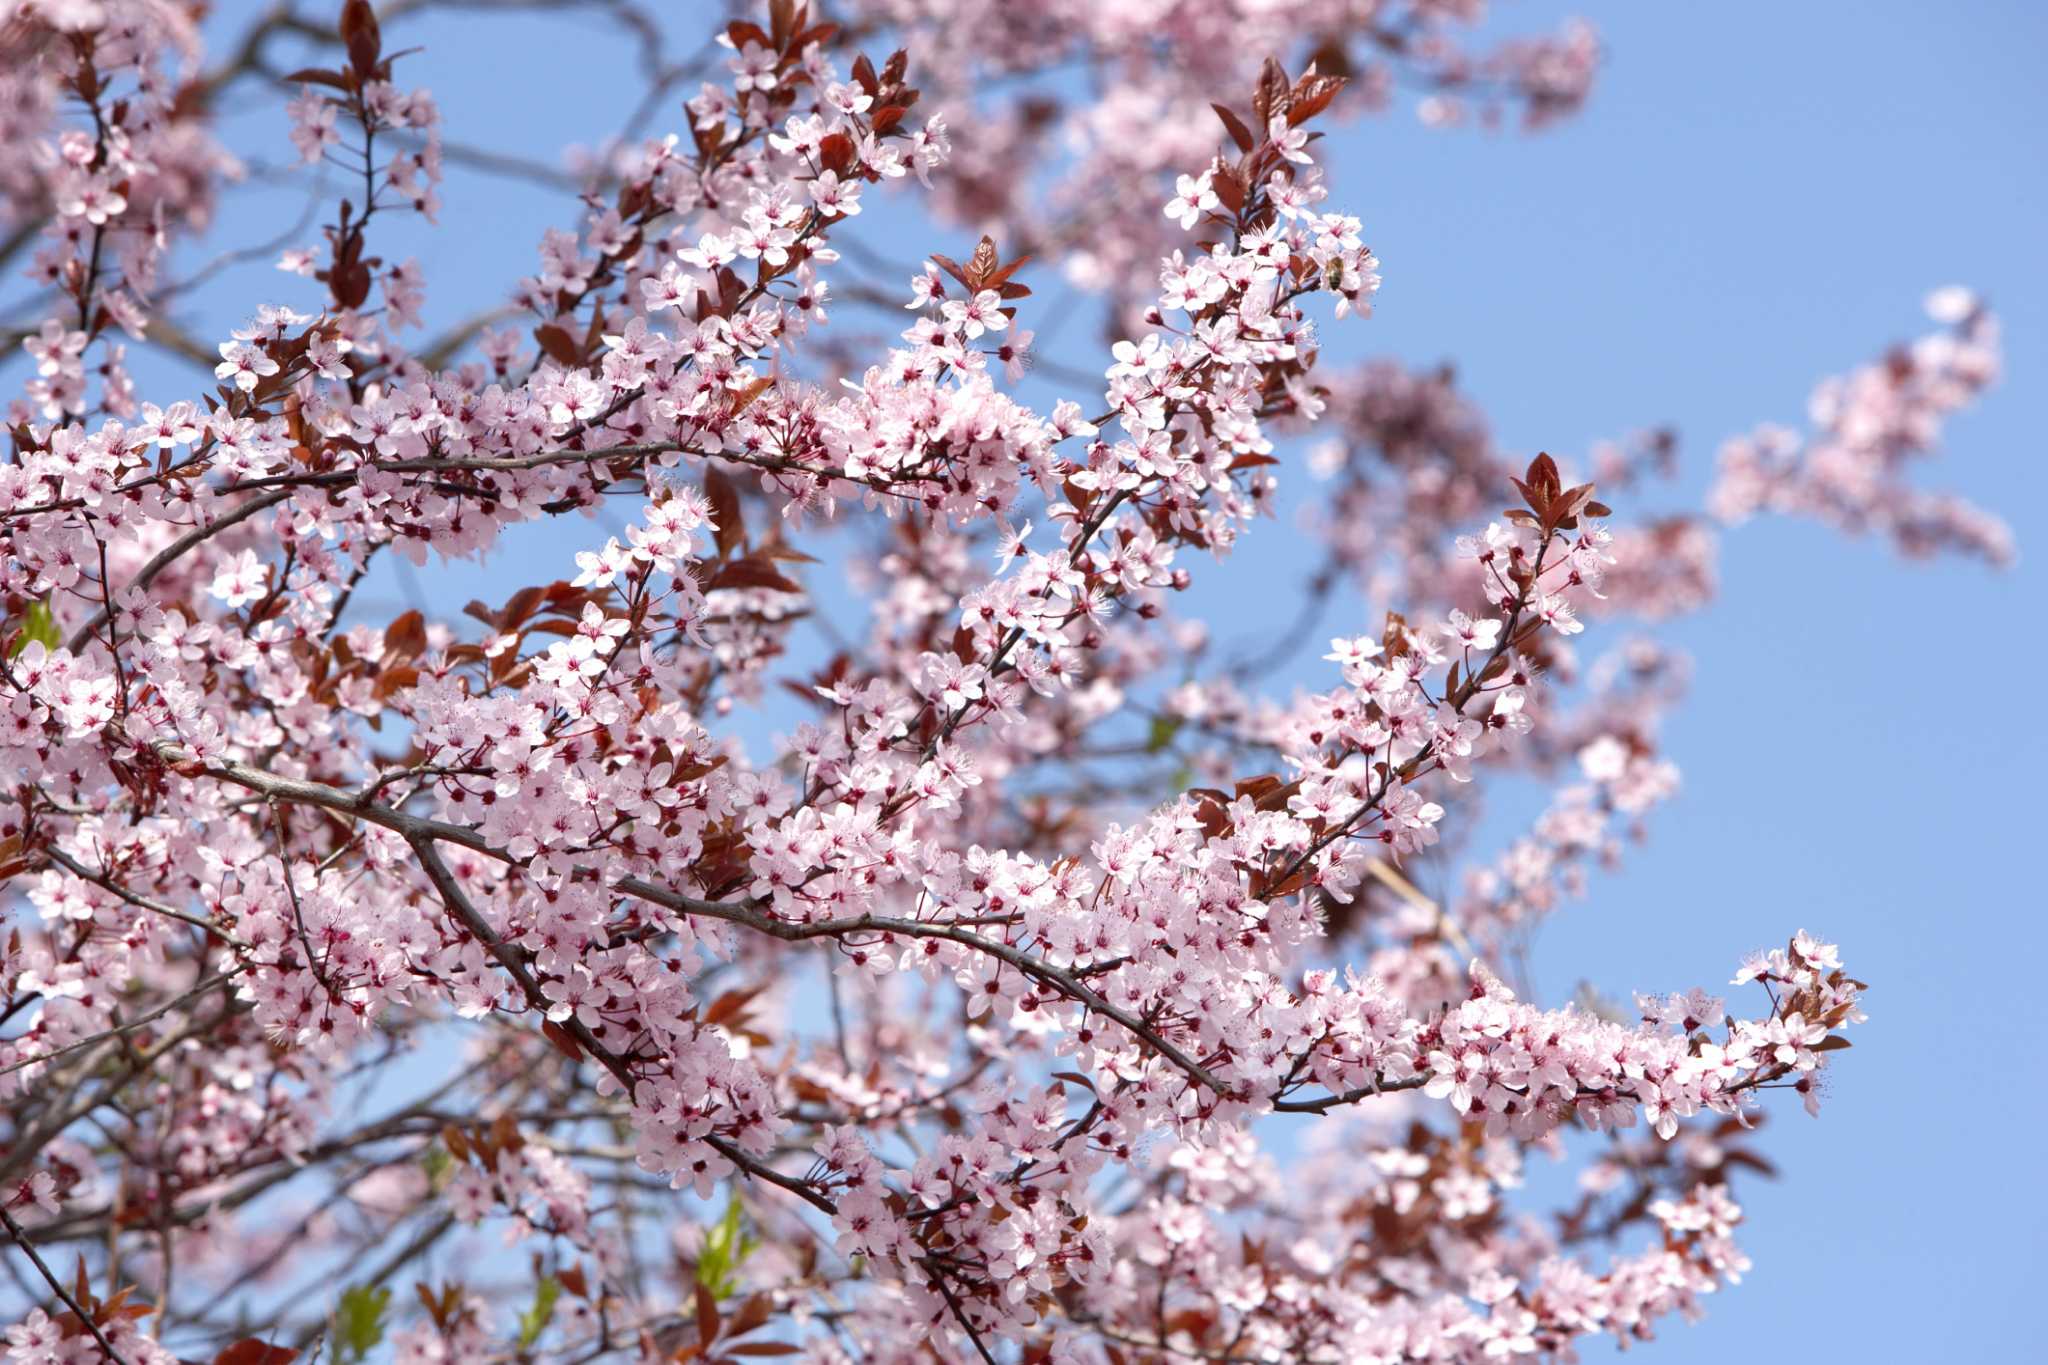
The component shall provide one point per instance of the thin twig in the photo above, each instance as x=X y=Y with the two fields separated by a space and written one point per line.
x=57 y=1286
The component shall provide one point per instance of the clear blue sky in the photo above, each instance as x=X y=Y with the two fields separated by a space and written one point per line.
x=1759 y=194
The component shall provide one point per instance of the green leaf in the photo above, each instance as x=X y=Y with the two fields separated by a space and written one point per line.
x=41 y=625
x=726 y=1248
x=534 y=1320
x=438 y=1164
x=1164 y=728
x=359 y=1322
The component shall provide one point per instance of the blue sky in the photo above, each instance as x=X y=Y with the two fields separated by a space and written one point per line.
x=1759 y=194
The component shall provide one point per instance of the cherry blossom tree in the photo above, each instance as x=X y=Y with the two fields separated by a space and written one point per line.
x=1054 y=991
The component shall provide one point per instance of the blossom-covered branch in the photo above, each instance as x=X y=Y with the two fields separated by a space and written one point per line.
x=976 y=1015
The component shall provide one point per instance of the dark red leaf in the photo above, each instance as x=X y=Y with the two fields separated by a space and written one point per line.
x=250 y=1351
x=707 y=1317
x=753 y=572
x=564 y=1041
x=1312 y=95
x=360 y=36
x=313 y=75
x=559 y=345
x=1002 y=277
x=1234 y=125
x=982 y=263
x=730 y=527
x=406 y=637
x=1274 y=92
x=1230 y=188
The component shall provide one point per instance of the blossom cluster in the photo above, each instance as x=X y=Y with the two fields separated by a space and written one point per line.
x=1868 y=426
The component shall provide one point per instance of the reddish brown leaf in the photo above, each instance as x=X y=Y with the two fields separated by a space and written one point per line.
x=1258 y=785
x=835 y=153
x=982 y=263
x=1278 y=797
x=744 y=399
x=731 y=1004
x=1002 y=276
x=707 y=1317
x=564 y=1041
x=1230 y=187
x=1274 y=92
x=1312 y=95
x=753 y=1313
x=753 y=572
x=558 y=344
x=406 y=637
x=554 y=626
x=364 y=43
x=251 y=1351
x=313 y=75
x=816 y=33
x=396 y=680
x=520 y=606
x=729 y=527
x=1234 y=125
x=352 y=284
